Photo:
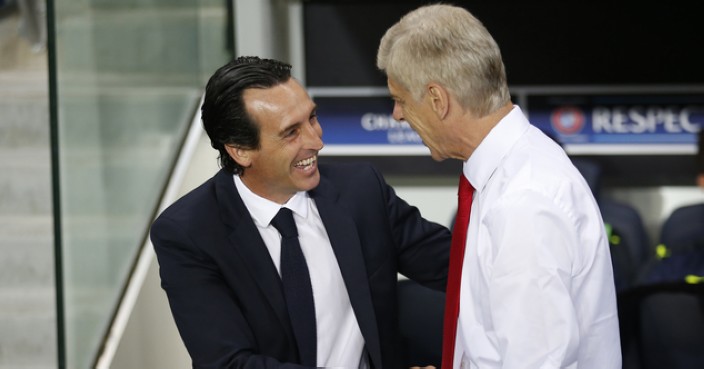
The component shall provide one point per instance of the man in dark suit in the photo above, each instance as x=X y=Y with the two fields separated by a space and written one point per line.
x=219 y=254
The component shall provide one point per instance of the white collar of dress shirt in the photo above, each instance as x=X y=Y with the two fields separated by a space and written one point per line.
x=486 y=157
x=263 y=210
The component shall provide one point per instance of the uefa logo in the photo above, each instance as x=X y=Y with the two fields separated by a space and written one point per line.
x=567 y=120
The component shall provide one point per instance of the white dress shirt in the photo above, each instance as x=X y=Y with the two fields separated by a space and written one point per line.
x=339 y=340
x=537 y=287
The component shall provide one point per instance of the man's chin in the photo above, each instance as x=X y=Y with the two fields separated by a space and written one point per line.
x=311 y=182
x=437 y=157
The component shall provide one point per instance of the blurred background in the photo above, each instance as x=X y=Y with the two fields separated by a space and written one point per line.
x=99 y=131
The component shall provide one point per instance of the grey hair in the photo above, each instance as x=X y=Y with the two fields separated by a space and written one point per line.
x=447 y=45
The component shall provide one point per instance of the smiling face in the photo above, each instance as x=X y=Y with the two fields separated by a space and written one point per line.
x=290 y=138
x=420 y=116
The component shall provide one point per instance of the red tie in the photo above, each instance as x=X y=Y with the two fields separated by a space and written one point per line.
x=452 y=297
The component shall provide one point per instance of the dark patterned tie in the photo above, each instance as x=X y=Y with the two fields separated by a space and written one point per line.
x=452 y=297
x=297 y=287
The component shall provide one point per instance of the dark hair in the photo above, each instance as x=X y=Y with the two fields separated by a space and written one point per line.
x=224 y=114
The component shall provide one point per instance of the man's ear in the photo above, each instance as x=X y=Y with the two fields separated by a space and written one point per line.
x=239 y=155
x=439 y=99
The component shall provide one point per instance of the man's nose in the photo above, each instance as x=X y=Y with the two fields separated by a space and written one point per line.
x=313 y=137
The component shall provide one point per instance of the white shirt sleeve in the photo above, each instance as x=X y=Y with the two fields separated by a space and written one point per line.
x=530 y=282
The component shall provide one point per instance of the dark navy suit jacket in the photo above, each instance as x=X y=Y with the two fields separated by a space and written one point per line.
x=225 y=293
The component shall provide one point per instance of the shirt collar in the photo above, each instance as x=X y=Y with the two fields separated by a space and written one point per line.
x=263 y=210
x=486 y=157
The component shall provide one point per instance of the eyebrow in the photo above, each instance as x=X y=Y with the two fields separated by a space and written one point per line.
x=293 y=125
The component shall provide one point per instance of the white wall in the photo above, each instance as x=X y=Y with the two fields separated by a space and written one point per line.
x=261 y=28
x=435 y=202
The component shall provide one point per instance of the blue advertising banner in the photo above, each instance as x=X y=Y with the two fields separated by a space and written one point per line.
x=603 y=122
x=364 y=125
x=361 y=122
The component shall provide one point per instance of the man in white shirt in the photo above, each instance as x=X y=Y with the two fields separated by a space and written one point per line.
x=536 y=288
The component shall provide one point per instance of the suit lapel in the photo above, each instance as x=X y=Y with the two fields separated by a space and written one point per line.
x=342 y=231
x=247 y=242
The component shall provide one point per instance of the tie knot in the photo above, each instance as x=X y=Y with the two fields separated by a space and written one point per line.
x=284 y=223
